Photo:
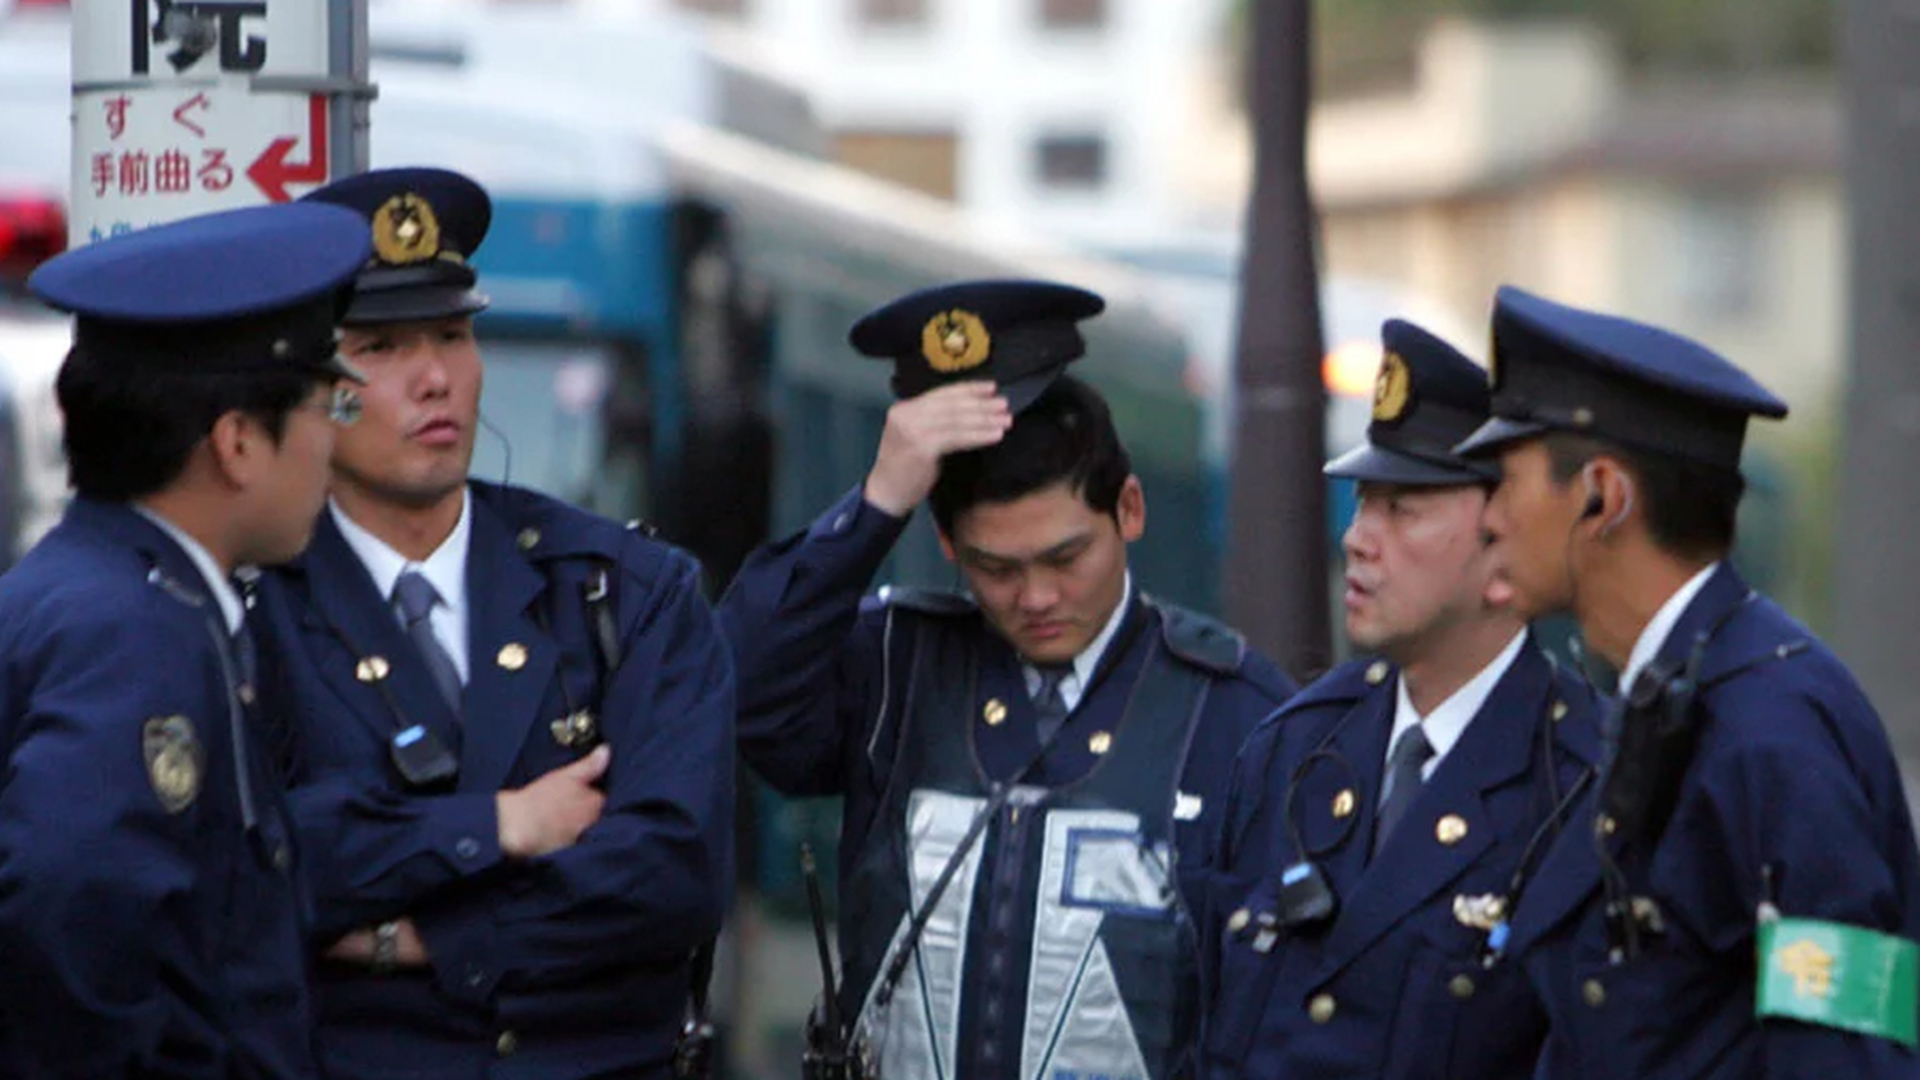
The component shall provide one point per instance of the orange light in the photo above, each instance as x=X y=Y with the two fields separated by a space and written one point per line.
x=1350 y=369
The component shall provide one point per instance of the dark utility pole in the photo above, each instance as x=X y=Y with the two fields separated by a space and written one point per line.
x=1877 y=549
x=1275 y=582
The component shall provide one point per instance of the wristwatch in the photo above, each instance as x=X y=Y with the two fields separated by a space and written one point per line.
x=386 y=947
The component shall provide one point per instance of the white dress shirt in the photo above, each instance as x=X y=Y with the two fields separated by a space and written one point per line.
x=445 y=570
x=1074 y=685
x=1654 y=636
x=218 y=584
x=1449 y=719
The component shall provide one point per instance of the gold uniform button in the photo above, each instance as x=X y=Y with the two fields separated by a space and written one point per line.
x=1559 y=710
x=1461 y=987
x=528 y=538
x=1594 y=992
x=512 y=656
x=507 y=1043
x=1320 y=1009
x=1377 y=673
x=1451 y=829
x=1607 y=825
x=1343 y=803
x=371 y=669
x=995 y=712
x=1238 y=921
x=1100 y=742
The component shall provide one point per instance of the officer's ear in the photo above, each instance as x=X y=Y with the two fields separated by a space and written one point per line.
x=946 y=545
x=1130 y=513
x=1610 y=492
x=235 y=443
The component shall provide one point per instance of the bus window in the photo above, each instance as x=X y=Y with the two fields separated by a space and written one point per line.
x=542 y=416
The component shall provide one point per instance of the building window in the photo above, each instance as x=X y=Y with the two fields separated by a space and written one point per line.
x=891 y=12
x=733 y=9
x=927 y=161
x=1073 y=14
x=1072 y=161
x=1721 y=263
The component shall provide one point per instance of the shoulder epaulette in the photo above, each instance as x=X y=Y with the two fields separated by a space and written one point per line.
x=1204 y=642
x=1346 y=682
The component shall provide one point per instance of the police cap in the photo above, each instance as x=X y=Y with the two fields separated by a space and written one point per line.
x=425 y=225
x=257 y=289
x=1020 y=334
x=1427 y=397
x=1558 y=368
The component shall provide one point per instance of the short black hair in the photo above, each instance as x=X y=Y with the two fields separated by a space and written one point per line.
x=1691 y=508
x=129 y=429
x=1066 y=435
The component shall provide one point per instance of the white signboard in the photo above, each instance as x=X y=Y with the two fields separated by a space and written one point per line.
x=169 y=119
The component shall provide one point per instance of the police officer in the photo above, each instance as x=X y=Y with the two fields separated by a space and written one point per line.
x=513 y=753
x=150 y=919
x=1029 y=770
x=1748 y=860
x=1377 y=824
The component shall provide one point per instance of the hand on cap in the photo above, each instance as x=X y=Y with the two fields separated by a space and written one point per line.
x=922 y=430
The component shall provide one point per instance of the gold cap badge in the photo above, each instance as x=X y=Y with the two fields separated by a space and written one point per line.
x=955 y=341
x=405 y=230
x=1391 y=388
x=174 y=760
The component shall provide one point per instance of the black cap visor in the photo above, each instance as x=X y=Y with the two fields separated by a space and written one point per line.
x=1377 y=464
x=1026 y=389
x=1494 y=436
x=416 y=304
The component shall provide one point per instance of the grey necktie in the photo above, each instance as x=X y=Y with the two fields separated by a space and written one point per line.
x=1410 y=751
x=414 y=597
x=1049 y=704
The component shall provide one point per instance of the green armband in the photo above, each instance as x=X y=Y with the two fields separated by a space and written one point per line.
x=1839 y=976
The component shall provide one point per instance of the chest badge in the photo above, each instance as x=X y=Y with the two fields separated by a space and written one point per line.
x=1451 y=830
x=995 y=712
x=371 y=669
x=576 y=731
x=175 y=760
x=512 y=656
x=1479 y=912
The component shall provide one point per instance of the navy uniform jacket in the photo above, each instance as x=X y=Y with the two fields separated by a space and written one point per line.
x=816 y=718
x=575 y=964
x=1394 y=986
x=139 y=936
x=1793 y=773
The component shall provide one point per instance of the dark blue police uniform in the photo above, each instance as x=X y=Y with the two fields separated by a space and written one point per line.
x=1791 y=800
x=917 y=712
x=575 y=964
x=151 y=921
x=581 y=631
x=1391 y=983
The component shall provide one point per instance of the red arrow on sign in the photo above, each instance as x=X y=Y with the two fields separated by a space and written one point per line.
x=271 y=172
